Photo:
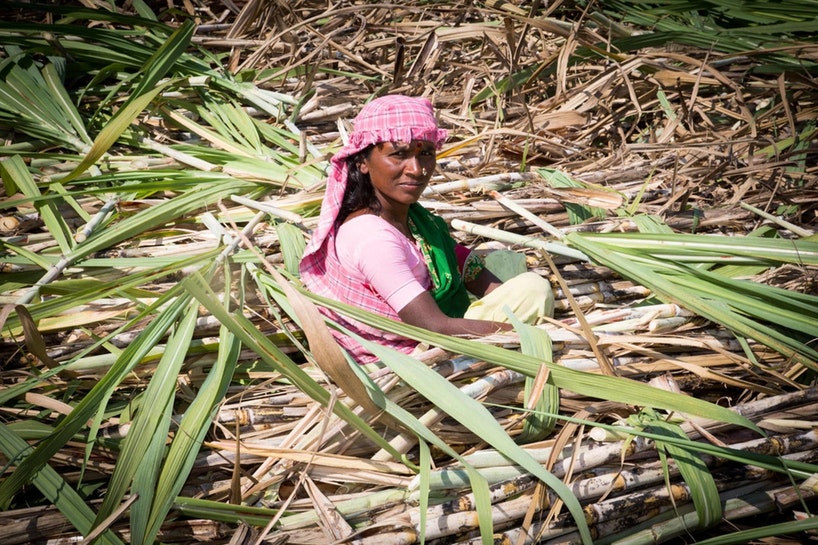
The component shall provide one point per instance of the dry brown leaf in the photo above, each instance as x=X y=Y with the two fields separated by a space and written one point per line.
x=34 y=339
x=598 y=198
x=333 y=524
x=671 y=78
x=324 y=349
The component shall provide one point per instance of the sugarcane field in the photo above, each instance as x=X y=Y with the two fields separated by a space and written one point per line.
x=168 y=376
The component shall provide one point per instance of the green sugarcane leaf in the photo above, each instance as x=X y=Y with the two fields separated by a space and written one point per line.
x=63 y=101
x=536 y=343
x=97 y=397
x=478 y=483
x=80 y=293
x=577 y=213
x=53 y=487
x=425 y=464
x=596 y=386
x=709 y=248
x=17 y=173
x=192 y=430
x=253 y=339
x=292 y=242
x=699 y=480
x=704 y=298
x=145 y=92
x=796 y=528
x=44 y=262
x=144 y=447
x=113 y=131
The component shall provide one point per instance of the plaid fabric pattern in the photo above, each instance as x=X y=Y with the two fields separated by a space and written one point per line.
x=386 y=119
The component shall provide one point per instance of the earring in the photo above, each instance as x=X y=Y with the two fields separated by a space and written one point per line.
x=423 y=172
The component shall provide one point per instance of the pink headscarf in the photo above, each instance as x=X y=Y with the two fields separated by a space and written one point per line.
x=392 y=118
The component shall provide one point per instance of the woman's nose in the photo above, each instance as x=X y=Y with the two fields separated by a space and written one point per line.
x=413 y=166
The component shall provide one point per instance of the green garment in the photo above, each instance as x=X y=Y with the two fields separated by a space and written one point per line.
x=437 y=246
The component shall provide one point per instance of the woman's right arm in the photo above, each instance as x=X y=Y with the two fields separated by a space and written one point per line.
x=422 y=311
x=380 y=255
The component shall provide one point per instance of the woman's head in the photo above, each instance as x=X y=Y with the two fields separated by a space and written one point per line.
x=393 y=118
x=394 y=172
x=390 y=133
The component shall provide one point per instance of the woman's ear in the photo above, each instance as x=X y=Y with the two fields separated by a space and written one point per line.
x=363 y=166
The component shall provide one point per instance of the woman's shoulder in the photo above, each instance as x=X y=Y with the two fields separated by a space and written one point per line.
x=367 y=236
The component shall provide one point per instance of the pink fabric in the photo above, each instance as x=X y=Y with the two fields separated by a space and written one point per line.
x=462 y=253
x=385 y=119
x=381 y=257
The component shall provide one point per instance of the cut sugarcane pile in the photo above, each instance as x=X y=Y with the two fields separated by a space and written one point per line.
x=622 y=484
x=152 y=361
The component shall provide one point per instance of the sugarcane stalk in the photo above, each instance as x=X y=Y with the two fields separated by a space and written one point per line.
x=540 y=532
x=355 y=507
x=632 y=366
x=407 y=534
x=281 y=213
x=644 y=504
x=622 y=512
x=799 y=231
x=303 y=140
x=46 y=279
x=600 y=286
x=599 y=294
x=328 y=434
x=644 y=313
x=536 y=220
x=190 y=248
x=652 y=325
x=735 y=508
x=519 y=240
x=180 y=156
x=496 y=467
x=52 y=528
x=249 y=416
x=103 y=212
x=755 y=409
x=495 y=181
x=798 y=445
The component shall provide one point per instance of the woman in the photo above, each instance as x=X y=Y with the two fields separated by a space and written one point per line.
x=375 y=247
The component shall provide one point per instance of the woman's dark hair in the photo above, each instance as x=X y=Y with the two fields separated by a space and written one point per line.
x=359 y=192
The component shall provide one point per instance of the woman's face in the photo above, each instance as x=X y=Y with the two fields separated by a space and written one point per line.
x=400 y=171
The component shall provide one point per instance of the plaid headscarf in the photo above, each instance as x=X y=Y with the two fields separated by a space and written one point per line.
x=392 y=118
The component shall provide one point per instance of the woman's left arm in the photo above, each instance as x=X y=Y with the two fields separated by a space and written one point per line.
x=477 y=278
x=484 y=283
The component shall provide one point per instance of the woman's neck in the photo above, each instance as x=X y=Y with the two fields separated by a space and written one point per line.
x=397 y=218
